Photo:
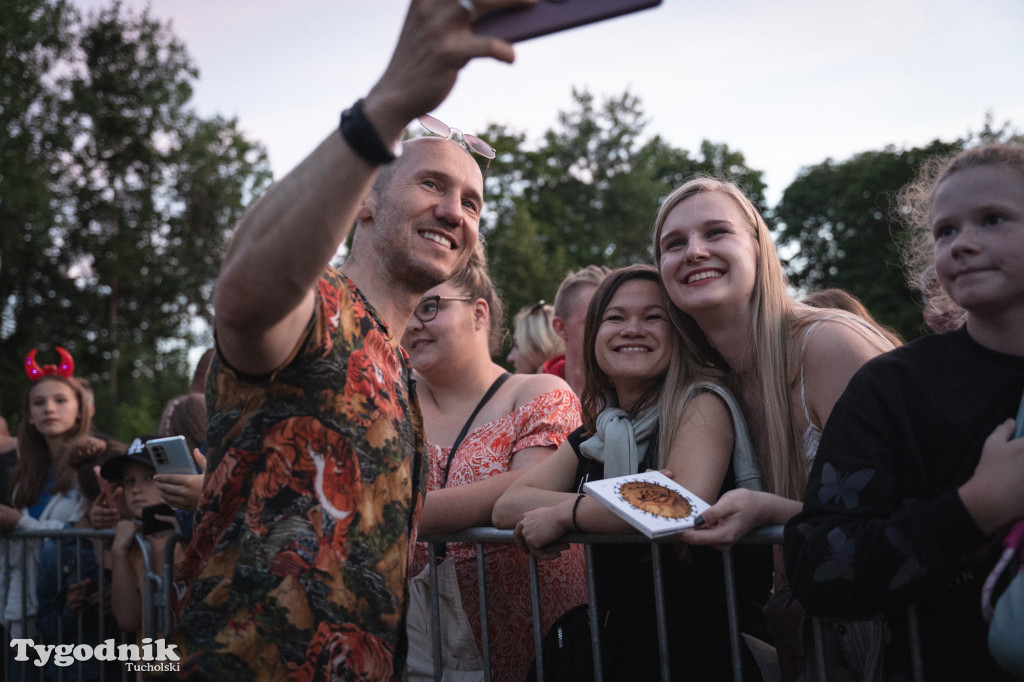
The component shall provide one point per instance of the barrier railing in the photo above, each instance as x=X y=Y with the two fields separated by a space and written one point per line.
x=19 y=550
x=158 y=570
x=770 y=535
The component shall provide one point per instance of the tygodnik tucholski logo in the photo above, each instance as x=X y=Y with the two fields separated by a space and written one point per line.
x=155 y=655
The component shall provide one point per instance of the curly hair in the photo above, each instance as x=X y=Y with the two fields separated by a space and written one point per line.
x=912 y=208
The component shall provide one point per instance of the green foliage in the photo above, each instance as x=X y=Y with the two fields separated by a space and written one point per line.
x=117 y=201
x=127 y=211
x=836 y=219
x=836 y=216
x=586 y=195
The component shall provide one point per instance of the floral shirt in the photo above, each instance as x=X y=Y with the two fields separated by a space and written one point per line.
x=299 y=565
x=487 y=451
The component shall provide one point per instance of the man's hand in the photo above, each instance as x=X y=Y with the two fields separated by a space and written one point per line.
x=435 y=43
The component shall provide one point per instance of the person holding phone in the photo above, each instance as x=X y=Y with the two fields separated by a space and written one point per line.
x=133 y=471
x=315 y=469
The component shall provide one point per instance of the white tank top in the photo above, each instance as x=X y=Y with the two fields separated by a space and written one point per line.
x=812 y=435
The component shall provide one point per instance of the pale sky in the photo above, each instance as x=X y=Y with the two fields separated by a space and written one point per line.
x=787 y=83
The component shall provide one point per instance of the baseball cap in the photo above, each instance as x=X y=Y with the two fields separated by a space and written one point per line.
x=113 y=468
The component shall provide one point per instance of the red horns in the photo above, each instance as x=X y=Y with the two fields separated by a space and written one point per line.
x=35 y=372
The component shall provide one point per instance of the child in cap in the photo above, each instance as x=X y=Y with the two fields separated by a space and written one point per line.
x=133 y=472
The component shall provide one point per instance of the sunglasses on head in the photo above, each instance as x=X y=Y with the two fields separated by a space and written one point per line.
x=470 y=142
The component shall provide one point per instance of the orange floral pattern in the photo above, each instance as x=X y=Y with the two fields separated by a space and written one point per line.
x=486 y=451
x=314 y=482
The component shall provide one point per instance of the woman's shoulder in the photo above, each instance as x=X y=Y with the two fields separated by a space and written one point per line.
x=525 y=388
x=830 y=335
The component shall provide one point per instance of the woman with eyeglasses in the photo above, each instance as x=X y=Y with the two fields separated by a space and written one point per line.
x=450 y=341
x=534 y=340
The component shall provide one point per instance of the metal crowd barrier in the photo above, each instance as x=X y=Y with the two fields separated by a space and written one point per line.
x=154 y=603
x=156 y=617
x=769 y=535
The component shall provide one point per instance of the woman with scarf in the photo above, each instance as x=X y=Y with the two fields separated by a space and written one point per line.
x=643 y=408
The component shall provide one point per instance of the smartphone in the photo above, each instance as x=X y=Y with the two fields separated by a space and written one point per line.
x=549 y=16
x=171 y=456
x=150 y=523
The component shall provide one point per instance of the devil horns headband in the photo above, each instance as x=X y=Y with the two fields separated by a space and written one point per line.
x=35 y=372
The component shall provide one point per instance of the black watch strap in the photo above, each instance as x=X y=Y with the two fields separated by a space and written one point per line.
x=363 y=137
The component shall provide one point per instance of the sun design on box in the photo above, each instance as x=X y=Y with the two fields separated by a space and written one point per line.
x=655 y=499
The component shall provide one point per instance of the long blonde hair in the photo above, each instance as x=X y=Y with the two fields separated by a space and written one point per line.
x=783 y=469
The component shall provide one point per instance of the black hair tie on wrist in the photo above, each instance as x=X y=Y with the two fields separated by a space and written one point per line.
x=575 y=506
x=364 y=139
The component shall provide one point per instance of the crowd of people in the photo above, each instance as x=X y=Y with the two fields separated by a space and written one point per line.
x=352 y=411
x=61 y=473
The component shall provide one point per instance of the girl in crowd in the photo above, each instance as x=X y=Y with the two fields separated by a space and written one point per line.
x=53 y=438
x=919 y=468
x=534 y=340
x=450 y=339
x=630 y=346
x=786 y=362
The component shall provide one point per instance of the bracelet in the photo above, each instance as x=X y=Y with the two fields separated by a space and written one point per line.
x=364 y=139
x=575 y=506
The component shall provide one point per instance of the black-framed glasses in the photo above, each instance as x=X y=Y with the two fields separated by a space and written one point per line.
x=470 y=142
x=428 y=307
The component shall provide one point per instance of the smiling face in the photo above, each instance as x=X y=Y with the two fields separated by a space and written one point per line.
x=454 y=332
x=426 y=220
x=708 y=256
x=53 y=408
x=977 y=220
x=635 y=339
x=139 y=489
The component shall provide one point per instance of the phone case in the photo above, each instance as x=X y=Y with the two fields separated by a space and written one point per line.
x=151 y=524
x=549 y=16
x=171 y=456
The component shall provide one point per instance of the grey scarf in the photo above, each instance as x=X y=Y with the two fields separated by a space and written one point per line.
x=620 y=443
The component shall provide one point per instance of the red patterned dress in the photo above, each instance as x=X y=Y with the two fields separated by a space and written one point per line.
x=298 y=567
x=486 y=451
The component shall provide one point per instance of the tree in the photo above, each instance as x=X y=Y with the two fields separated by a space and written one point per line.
x=145 y=199
x=835 y=217
x=587 y=195
x=35 y=39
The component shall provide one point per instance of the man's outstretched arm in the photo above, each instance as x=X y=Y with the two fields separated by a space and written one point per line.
x=265 y=292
